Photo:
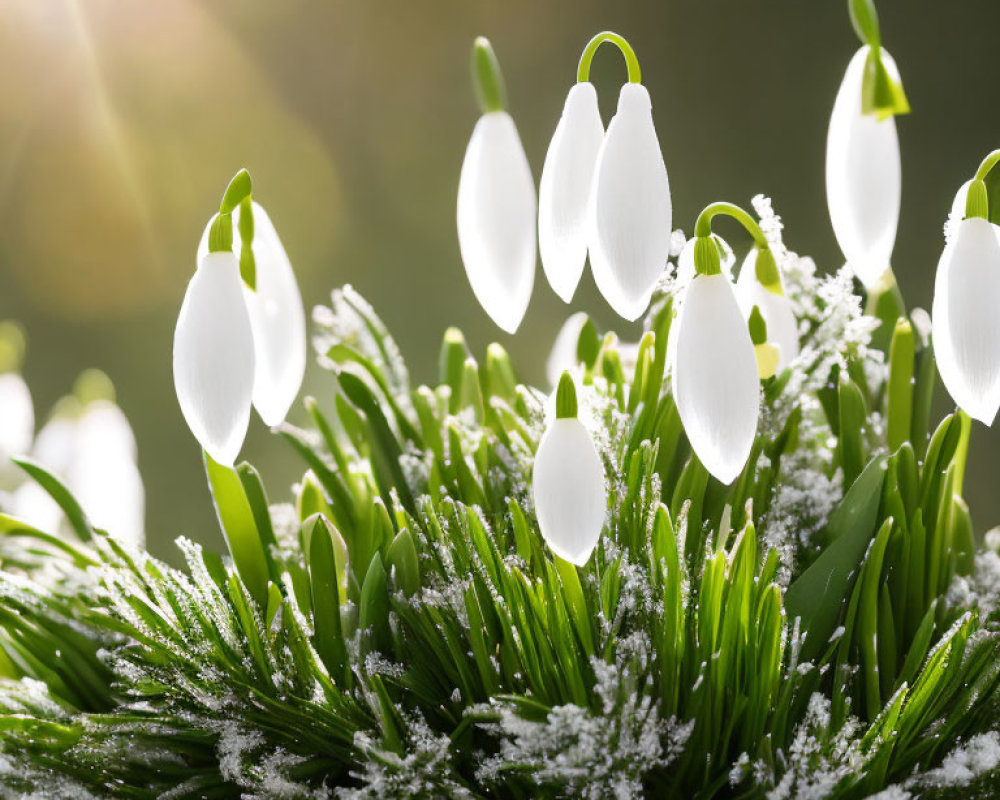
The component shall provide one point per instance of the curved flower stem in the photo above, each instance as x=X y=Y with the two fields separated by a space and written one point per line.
x=583 y=71
x=703 y=226
x=987 y=165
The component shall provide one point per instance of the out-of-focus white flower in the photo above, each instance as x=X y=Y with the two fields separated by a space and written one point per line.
x=563 y=355
x=774 y=307
x=966 y=322
x=17 y=416
x=564 y=190
x=568 y=482
x=630 y=207
x=863 y=178
x=277 y=318
x=214 y=357
x=715 y=381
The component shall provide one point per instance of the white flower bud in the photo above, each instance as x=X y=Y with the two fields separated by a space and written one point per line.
x=776 y=309
x=214 y=357
x=496 y=220
x=630 y=207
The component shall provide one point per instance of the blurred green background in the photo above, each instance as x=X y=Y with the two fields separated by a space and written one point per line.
x=120 y=124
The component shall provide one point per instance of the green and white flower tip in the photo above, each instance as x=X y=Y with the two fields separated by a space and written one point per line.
x=213 y=346
x=714 y=364
x=759 y=287
x=863 y=176
x=966 y=326
x=277 y=317
x=17 y=412
x=568 y=482
x=496 y=202
x=629 y=208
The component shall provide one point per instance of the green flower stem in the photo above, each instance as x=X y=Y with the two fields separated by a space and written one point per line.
x=987 y=165
x=487 y=79
x=583 y=71
x=703 y=226
x=864 y=18
x=239 y=193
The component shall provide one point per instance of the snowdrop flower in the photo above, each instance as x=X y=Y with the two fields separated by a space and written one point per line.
x=863 y=185
x=17 y=413
x=214 y=357
x=564 y=191
x=276 y=313
x=759 y=286
x=630 y=208
x=496 y=203
x=685 y=261
x=715 y=381
x=564 y=354
x=568 y=482
x=966 y=326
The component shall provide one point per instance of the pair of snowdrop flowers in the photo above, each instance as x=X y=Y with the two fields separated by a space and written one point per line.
x=240 y=339
x=965 y=318
x=604 y=193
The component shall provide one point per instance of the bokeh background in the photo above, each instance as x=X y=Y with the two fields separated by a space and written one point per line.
x=121 y=122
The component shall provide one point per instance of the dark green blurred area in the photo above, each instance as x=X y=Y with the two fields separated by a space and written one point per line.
x=120 y=124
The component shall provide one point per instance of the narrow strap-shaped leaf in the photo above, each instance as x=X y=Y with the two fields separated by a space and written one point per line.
x=57 y=491
x=328 y=635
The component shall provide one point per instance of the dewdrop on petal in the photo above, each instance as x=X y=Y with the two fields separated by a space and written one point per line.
x=773 y=305
x=715 y=381
x=564 y=190
x=863 y=175
x=568 y=482
x=214 y=357
x=630 y=207
x=965 y=318
x=276 y=314
x=496 y=203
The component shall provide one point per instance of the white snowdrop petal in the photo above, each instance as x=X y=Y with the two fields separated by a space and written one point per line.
x=277 y=318
x=496 y=220
x=32 y=504
x=782 y=327
x=569 y=490
x=715 y=381
x=966 y=325
x=214 y=357
x=564 y=190
x=863 y=179
x=17 y=416
x=562 y=356
x=103 y=474
x=630 y=212
x=278 y=321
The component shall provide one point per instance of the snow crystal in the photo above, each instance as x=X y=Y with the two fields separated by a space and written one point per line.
x=968 y=761
x=981 y=589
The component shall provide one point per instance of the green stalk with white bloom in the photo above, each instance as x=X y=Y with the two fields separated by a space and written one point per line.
x=496 y=202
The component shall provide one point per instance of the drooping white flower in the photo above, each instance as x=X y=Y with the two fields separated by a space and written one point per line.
x=774 y=307
x=630 y=207
x=564 y=190
x=863 y=180
x=277 y=318
x=715 y=381
x=965 y=318
x=214 y=357
x=496 y=220
x=17 y=416
x=685 y=260
x=568 y=483
x=103 y=474
x=563 y=355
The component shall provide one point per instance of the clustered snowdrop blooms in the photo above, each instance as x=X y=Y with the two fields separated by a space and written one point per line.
x=602 y=193
x=863 y=174
x=568 y=482
x=240 y=337
x=966 y=323
x=89 y=444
